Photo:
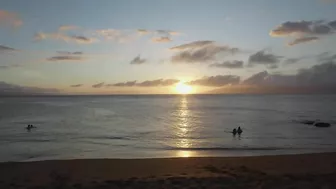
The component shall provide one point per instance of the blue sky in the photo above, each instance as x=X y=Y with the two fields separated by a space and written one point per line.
x=39 y=40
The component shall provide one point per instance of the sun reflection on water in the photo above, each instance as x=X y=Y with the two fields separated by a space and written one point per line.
x=183 y=129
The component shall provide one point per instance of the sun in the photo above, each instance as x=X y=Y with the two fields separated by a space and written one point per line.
x=182 y=88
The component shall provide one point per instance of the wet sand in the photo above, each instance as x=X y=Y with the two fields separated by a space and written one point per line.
x=282 y=171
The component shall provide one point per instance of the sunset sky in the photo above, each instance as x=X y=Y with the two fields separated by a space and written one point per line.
x=148 y=46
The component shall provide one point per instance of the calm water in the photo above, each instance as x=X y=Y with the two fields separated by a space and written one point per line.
x=163 y=126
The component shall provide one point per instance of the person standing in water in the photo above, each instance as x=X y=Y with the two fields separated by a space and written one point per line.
x=239 y=131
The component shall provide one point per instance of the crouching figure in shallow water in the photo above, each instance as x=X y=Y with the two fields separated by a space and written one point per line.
x=234 y=131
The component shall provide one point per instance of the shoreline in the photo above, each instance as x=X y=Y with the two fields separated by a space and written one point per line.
x=309 y=169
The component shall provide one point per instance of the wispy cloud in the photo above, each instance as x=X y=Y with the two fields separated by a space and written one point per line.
x=10 y=18
x=76 y=86
x=148 y=83
x=167 y=33
x=123 y=84
x=67 y=27
x=161 y=39
x=11 y=66
x=70 y=53
x=158 y=82
x=64 y=37
x=216 y=81
x=120 y=36
x=67 y=56
x=143 y=31
x=292 y=60
x=138 y=60
x=162 y=33
x=200 y=52
x=6 y=49
x=212 y=81
x=263 y=58
x=64 y=58
x=98 y=85
x=302 y=40
x=228 y=64
x=193 y=45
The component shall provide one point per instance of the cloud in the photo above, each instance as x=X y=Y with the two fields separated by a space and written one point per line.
x=326 y=57
x=292 y=60
x=123 y=84
x=256 y=79
x=11 y=89
x=303 y=40
x=82 y=39
x=6 y=49
x=10 y=66
x=143 y=31
x=161 y=39
x=65 y=58
x=322 y=75
x=216 y=81
x=160 y=33
x=261 y=57
x=138 y=60
x=228 y=64
x=98 y=85
x=303 y=28
x=318 y=78
x=304 y=31
x=64 y=37
x=76 y=86
x=67 y=27
x=318 y=75
x=332 y=24
x=70 y=53
x=200 y=52
x=167 y=33
x=10 y=18
x=148 y=83
x=119 y=36
x=158 y=82
x=192 y=45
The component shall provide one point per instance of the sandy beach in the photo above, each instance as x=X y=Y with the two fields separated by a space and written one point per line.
x=282 y=171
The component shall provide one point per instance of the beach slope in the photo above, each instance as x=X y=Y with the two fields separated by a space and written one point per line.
x=282 y=171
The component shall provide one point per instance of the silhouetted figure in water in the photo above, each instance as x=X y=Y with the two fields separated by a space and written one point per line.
x=239 y=131
x=29 y=127
x=234 y=131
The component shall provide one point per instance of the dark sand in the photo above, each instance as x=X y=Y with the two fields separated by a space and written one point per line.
x=283 y=171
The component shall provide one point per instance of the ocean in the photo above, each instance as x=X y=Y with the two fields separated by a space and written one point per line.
x=152 y=126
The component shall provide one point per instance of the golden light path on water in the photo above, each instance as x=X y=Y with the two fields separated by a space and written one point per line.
x=183 y=129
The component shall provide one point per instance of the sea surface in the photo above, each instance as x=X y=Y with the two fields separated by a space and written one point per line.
x=72 y=127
